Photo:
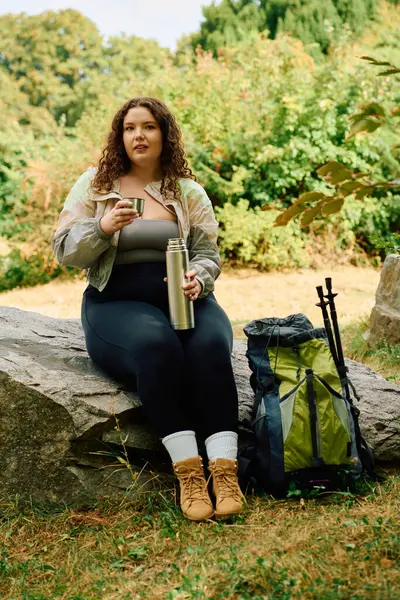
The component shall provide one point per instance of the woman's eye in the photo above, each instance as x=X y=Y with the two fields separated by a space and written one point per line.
x=150 y=127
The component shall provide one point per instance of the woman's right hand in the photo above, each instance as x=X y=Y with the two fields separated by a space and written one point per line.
x=122 y=214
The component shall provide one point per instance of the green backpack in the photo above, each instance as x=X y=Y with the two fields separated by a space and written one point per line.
x=306 y=429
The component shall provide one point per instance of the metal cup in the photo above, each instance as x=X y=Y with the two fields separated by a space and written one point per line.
x=137 y=204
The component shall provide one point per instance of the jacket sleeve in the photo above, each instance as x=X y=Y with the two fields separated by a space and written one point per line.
x=78 y=240
x=202 y=244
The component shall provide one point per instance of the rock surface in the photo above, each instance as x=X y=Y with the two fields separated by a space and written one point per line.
x=63 y=422
x=385 y=316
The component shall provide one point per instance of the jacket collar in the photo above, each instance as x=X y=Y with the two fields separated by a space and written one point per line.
x=154 y=188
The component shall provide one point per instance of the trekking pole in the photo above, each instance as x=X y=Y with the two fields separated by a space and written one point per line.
x=342 y=369
x=323 y=304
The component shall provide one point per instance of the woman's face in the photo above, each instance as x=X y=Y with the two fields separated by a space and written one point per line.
x=142 y=137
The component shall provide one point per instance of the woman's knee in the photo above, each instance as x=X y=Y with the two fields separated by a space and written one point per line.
x=158 y=343
x=211 y=344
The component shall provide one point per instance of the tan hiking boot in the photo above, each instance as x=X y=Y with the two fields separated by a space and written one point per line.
x=229 y=499
x=195 y=501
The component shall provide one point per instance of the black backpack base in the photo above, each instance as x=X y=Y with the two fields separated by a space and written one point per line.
x=301 y=483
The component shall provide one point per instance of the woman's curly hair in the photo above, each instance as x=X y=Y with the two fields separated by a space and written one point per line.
x=115 y=162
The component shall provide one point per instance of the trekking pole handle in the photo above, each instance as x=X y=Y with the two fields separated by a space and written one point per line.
x=328 y=328
x=342 y=369
x=320 y=293
x=328 y=283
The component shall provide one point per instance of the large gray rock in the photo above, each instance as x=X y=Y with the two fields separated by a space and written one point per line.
x=55 y=406
x=385 y=316
x=65 y=426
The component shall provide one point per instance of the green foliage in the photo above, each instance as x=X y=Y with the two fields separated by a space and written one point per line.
x=317 y=24
x=384 y=357
x=390 y=246
x=51 y=55
x=226 y=24
x=60 y=61
x=292 y=119
x=258 y=122
x=248 y=236
x=18 y=270
x=373 y=222
x=342 y=180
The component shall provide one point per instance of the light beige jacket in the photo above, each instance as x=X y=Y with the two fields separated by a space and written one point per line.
x=79 y=241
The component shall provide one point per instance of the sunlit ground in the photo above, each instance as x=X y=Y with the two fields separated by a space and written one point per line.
x=244 y=294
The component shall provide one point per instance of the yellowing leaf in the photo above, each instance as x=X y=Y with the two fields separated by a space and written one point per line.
x=360 y=175
x=366 y=190
x=309 y=197
x=333 y=207
x=363 y=126
x=309 y=215
x=330 y=167
x=394 y=71
x=268 y=207
x=342 y=175
x=349 y=187
x=287 y=215
x=376 y=62
x=373 y=109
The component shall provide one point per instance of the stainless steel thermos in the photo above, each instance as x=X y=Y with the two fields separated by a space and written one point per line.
x=181 y=312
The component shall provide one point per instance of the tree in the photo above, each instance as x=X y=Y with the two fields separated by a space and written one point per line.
x=18 y=114
x=131 y=54
x=312 y=21
x=229 y=23
x=51 y=55
x=60 y=60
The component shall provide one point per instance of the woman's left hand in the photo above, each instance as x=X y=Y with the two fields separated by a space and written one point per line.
x=191 y=288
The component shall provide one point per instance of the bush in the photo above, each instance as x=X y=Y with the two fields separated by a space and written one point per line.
x=247 y=237
x=18 y=270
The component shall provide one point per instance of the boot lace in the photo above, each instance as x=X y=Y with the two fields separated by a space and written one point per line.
x=195 y=486
x=228 y=486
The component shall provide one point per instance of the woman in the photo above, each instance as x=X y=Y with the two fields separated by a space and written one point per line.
x=184 y=378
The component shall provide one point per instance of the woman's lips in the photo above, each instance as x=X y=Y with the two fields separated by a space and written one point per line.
x=140 y=149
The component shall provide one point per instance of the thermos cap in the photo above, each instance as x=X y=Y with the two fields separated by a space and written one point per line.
x=176 y=244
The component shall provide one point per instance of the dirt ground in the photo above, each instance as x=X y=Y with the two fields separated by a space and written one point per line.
x=244 y=294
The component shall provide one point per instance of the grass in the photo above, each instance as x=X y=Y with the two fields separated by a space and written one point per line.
x=384 y=358
x=337 y=546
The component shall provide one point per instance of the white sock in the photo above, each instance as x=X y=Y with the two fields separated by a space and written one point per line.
x=181 y=445
x=223 y=444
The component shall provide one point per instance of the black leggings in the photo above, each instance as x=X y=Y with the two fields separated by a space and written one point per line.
x=184 y=378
